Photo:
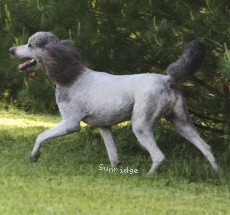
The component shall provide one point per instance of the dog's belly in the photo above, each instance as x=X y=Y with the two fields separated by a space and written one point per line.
x=107 y=118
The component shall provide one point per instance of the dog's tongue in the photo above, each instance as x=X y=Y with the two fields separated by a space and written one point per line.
x=27 y=64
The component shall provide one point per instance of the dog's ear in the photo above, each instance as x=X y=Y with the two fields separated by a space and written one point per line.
x=62 y=62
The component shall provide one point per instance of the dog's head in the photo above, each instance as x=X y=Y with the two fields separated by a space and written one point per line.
x=33 y=51
x=57 y=57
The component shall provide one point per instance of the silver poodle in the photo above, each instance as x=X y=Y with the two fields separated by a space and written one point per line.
x=103 y=100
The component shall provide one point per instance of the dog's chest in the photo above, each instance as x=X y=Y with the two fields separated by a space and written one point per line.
x=62 y=95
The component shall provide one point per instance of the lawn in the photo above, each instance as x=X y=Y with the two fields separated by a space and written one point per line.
x=67 y=179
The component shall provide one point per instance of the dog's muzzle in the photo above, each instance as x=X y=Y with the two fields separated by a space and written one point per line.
x=26 y=65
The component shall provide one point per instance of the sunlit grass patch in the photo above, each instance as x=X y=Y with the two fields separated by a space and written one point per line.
x=21 y=119
x=22 y=123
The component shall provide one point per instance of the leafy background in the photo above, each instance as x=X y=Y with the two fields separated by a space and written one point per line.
x=124 y=37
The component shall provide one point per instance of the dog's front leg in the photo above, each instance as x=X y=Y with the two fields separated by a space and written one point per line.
x=65 y=127
x=106 y=134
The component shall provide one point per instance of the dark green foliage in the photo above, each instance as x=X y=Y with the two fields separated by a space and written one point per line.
x=124 y=37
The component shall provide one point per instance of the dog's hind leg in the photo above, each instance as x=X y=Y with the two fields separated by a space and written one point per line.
x=106 y=134
x=145 y=137
x=60 y=130
x=143 y=131
x=184 y=126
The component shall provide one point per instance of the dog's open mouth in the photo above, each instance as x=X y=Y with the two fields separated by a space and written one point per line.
x=28 y=64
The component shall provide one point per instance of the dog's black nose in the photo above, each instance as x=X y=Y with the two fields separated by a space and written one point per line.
x=12 y=51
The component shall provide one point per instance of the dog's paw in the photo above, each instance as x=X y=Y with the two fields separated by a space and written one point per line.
x=34 y=157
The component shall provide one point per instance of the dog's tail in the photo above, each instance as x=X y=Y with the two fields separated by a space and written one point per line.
x=185 y=67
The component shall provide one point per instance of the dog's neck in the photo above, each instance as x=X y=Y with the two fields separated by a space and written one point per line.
x=65 y=77
x=58 y=85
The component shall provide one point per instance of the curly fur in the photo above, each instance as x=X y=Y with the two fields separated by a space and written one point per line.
x=62 y=62
x=189 y=62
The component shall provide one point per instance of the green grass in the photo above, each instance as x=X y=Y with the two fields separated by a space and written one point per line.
x=67 y=180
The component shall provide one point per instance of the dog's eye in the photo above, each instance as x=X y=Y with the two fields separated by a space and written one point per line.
x=29 y=45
